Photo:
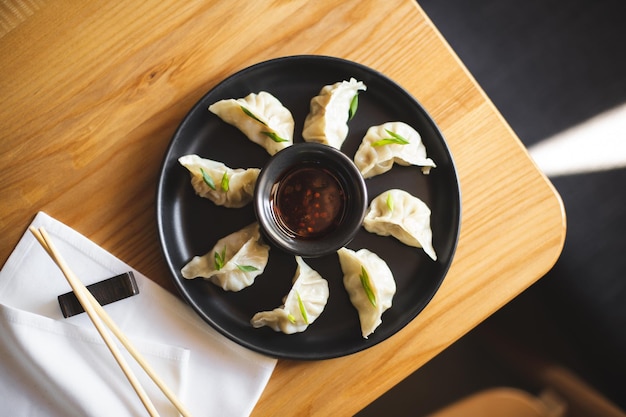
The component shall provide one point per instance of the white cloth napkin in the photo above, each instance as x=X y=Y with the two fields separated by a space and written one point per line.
x=52 y=366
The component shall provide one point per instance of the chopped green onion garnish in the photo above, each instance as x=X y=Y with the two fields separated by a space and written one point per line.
x=250 y=114
x=220 y=259
x=302 y=309
x=365 y=281
x=247 y=268
x=271 y=135
x=225 y=182
x=291 y=318
x=395 y=139
x=354 y=104
x=274 y=137
x=207 y=179
x=389 y=202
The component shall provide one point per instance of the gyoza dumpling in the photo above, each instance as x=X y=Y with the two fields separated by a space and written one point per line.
x=403 y=216
x=388 y=143
x=223 y=185
x=370 y=285
x=261 y=117
x=234 y=262
x=304 y=303
x=327 y=121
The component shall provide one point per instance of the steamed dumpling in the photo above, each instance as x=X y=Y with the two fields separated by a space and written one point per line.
x=327 y=121
x=261 y=117
x=223 y=185
x=389 y=143
x=304 y=303
x=370 y=285
x=403 y=216
x=234 y=262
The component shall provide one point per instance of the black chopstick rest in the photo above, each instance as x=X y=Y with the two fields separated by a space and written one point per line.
x=105 y=292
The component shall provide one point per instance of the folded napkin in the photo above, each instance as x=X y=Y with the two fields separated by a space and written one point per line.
x=52 y=366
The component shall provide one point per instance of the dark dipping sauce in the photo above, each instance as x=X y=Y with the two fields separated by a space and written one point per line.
x=308 y=201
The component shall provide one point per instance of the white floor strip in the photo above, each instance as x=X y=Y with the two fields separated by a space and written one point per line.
x=596 y=145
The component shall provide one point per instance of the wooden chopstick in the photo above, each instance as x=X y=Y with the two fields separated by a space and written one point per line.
x=44 y=240
x=98 y=315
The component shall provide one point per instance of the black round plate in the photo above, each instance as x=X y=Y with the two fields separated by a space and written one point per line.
x=190 y=225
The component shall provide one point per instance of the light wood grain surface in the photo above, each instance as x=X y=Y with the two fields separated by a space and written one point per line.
x=92 y=92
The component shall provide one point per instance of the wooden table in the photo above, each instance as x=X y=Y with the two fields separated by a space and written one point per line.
x=92 y=92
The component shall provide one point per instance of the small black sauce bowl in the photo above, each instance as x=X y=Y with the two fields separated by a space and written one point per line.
x=331 y=161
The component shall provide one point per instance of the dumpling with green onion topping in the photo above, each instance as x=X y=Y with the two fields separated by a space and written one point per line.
x=234 y=262
x=261 y=117
x=400 y=214
x=223 y=185
x=389 y=143
x=330 y=111
x=303 y=304
x=370 y=285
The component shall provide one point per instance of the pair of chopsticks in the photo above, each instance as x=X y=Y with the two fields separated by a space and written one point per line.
x=99 y=316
